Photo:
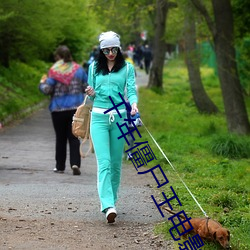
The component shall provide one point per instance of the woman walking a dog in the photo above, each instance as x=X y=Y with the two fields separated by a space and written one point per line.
x=108 y=76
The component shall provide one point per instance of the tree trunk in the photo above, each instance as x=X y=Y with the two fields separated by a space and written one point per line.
x=223 y=38
x=201 y=99
x=233 y=97
x=159 y=46
x=4 y=51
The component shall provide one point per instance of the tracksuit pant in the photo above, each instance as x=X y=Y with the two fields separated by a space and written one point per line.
x=108 y=150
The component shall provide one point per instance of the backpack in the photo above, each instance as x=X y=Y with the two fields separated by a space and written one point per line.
x=81 y=126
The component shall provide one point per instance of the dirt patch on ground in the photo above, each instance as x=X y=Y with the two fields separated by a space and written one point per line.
x=57 y=235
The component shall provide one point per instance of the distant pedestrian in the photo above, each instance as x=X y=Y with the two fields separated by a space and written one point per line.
x=93 y=56
x=107 y=78
x=147 y=54
x=138 y=55
x=128 y=59
x=65 y=84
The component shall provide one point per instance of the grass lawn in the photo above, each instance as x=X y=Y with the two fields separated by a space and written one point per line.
x=214 y=164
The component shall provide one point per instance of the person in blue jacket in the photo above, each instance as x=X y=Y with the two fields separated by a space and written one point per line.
x=108 y=76
x=65 y=83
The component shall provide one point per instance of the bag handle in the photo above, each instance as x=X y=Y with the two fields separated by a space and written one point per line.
x=87 y=137
x=91 y=148
x=85 y=99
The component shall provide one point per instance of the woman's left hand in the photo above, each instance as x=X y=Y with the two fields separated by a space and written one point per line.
x=134 y=109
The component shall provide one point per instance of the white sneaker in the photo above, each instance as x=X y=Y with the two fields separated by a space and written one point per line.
x=76 y=170
x=111 y=214
x=58 y=171
x=129 y=156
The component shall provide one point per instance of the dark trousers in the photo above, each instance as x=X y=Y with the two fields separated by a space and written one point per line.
x=147 y=65
x=62 y=122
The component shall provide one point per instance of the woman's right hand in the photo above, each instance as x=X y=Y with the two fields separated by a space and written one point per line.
x=90 y=91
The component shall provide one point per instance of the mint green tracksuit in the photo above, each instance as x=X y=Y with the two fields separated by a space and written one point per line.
x=104 y=130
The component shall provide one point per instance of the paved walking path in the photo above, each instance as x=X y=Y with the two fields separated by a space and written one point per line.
x=30 y=192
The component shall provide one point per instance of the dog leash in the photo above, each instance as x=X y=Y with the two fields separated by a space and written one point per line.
x=175 y=170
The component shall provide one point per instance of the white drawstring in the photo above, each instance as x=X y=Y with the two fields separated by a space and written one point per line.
x=111 y=113
x=111 y=117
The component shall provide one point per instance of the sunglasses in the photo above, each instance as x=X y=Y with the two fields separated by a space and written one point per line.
x=106 y=51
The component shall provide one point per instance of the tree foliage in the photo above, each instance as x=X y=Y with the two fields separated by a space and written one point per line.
x=28 y=33
x=241 y=18
x=126 y=17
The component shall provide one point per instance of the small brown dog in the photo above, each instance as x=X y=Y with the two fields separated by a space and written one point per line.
x=208 y=229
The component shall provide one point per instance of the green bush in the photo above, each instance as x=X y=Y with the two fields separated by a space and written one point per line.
x=19 y=87
x=230 y=146
x=223 y=200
